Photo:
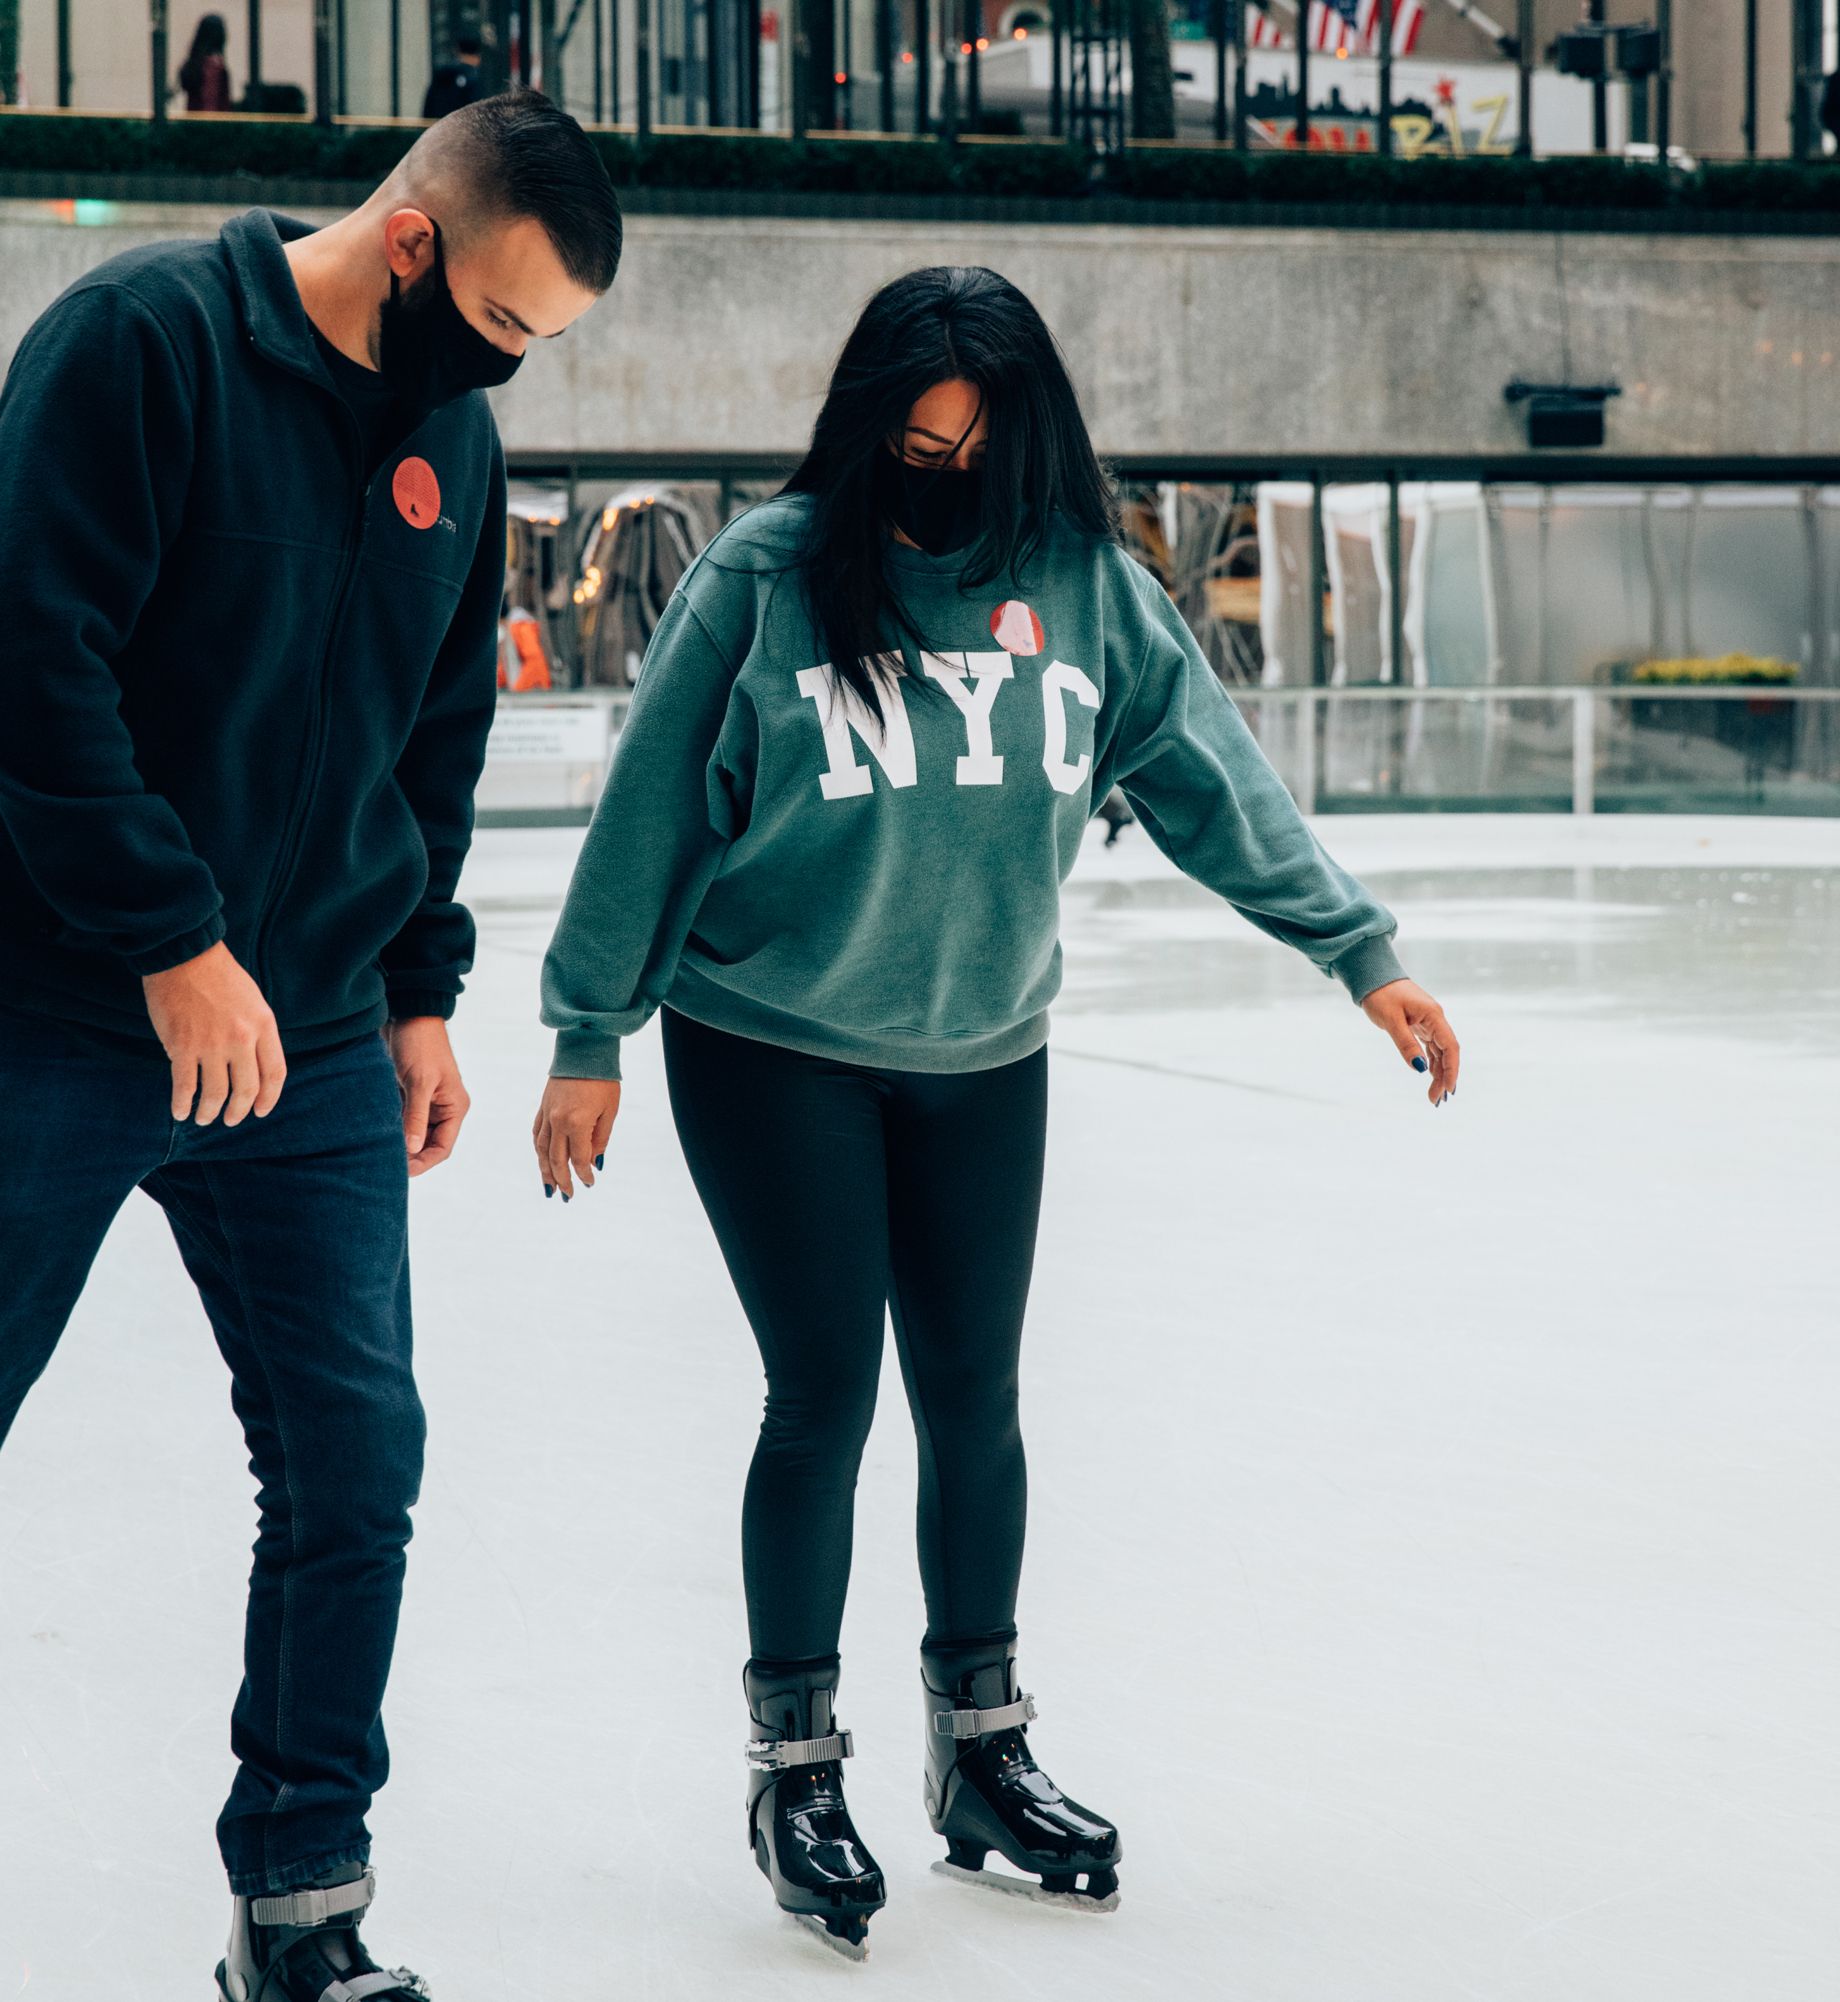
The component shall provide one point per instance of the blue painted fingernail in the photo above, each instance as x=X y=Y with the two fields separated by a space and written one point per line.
x=565 y=1195
x=549 y=1189
x=1419 y=1064
x=600 y=1161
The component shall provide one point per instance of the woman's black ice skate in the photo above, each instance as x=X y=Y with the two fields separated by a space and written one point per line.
x=798 y=1825
x=984 y=1791
x=303 y=1946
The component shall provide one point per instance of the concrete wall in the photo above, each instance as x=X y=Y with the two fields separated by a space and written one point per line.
x=721 y=333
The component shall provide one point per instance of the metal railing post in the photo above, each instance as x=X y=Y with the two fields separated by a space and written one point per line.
x=1584 y=750
x=1302 y=132
x=1309 y=715
x=322 y=61
x=1523 y=35
x=157 y=23
x=642 y=69
x=1383 y=136
x=1217 y=24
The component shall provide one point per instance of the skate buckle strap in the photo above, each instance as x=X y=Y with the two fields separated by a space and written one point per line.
x=315 y=1906
x=384 y=1982
x=775 y=1754
x=980 y=1723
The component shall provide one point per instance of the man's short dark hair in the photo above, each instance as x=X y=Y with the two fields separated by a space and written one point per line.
x=519 y=154
x=467 y=45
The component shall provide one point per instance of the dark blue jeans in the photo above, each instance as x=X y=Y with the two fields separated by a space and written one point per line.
x=295 y=1230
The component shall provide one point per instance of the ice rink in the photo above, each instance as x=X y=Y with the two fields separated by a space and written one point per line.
x=1462 y=1622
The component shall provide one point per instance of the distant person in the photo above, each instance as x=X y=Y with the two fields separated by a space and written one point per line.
x=1830 y=106
x=455 y=83
x=874 y=722
x=204 y=76
x=1115 y=811
x=252 y=547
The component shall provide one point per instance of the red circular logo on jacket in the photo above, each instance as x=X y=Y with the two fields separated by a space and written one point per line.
x=1015 y=627
x=417 y=493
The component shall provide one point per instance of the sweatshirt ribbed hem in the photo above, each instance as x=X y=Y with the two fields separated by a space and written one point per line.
x=409 y=1004
x=586 y=1053
x=173 y=952
x=715 y=1007
x=1369 y=964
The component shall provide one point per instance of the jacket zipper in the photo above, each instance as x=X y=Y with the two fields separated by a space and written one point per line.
x=281 y=880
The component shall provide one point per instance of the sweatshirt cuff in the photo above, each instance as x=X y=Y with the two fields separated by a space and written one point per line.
x=1371 y=963
x=407 y=1003
x=586 y=1053
x=176 y=951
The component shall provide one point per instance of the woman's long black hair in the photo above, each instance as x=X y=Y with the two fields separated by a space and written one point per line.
x=211 y=39
x=950 y=322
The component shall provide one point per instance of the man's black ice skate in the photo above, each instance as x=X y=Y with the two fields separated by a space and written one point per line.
x=984 y=1791
x=798 y=1825
x=303 y=1946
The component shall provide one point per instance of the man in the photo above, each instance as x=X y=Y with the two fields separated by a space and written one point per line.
x=251 y=557
x=455 y=83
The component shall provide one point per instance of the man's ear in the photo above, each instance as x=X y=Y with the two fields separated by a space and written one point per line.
x=408 y=242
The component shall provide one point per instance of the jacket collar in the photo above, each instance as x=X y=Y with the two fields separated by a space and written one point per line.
x=276 y=321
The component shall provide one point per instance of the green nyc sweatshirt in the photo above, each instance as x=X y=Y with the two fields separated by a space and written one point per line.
x=767 y=860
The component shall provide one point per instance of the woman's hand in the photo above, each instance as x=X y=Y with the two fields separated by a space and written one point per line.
x=570 y=1136
x=1419 y=1031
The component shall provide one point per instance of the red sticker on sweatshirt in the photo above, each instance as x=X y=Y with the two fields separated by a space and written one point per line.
x=417 y=493
x=1015 y=627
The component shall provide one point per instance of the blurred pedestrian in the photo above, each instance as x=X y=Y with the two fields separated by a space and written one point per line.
x=1115 y=811
x=204 y=76
x=457 y=82
x=1830 y=106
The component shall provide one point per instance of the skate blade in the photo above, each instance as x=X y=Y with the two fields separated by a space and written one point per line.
x=848 y=1949
x=1027 y=1887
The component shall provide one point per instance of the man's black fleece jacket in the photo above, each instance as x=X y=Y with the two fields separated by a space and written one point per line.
x=245 y=682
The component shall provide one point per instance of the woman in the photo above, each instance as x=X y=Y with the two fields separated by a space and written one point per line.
x=204 y=76
x=871 y=728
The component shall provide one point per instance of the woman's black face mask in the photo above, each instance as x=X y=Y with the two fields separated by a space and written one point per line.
x=427 y=349
x=938 y=507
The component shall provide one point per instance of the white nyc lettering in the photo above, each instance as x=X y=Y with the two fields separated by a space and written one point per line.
x=843 y=710
x=973 y=681
x=988 y=672
x=1062 y=776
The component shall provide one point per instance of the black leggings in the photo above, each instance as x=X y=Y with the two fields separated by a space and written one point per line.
x=836 y=1192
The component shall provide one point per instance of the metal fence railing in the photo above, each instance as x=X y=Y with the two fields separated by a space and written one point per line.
x=1367 y=750
x=1404 y=77
x=1577 y=750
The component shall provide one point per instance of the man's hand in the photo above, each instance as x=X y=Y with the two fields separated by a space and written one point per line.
x=1419 y=1031
x=434 y=1099
x=571 y=1131
x=220 y=1035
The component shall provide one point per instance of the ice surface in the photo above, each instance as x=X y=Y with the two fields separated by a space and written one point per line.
x=1462 y=1619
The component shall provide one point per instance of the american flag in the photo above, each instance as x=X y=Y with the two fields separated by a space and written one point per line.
x=1262 y=32
x=1408 y=19
x=1332 y=26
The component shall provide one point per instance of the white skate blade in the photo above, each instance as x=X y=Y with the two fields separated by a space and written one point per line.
x=1031 y=1888
x=857 y=1950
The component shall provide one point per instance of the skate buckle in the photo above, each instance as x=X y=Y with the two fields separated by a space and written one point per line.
x=313 y=1907
x=980 y=1723
x=775 y=1754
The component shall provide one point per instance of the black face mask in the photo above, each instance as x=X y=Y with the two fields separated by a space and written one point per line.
x=427 y=349
x=938 y=507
